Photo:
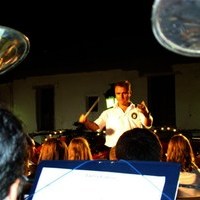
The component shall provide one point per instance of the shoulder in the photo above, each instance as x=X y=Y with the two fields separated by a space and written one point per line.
x=188 y=177
x=108 y=110
x=111 y=109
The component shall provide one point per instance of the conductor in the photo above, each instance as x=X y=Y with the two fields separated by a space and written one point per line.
x=123 y=116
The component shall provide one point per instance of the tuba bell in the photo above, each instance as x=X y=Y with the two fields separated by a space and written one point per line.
x=176 y=25
x=14 y=47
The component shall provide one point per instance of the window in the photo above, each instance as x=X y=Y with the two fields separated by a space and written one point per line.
x=45 y=108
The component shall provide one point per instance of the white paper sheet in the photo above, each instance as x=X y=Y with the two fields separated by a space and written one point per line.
x=90 y=185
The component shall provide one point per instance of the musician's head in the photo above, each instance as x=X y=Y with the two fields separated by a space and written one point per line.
x=13 y=148
x=139 y=144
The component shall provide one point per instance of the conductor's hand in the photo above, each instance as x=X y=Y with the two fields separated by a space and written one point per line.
x=143 y=108
x=82 y=119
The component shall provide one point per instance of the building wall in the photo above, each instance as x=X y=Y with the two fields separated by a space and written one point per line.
x=188 y=96
x=71 y=91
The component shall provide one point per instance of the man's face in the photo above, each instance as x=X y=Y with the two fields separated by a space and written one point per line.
x=122 y=95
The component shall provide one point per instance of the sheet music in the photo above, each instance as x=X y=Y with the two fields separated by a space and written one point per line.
x=56 y=183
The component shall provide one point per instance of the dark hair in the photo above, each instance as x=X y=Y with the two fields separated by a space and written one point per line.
x=13 y=145
x=125 y=83
x=139 y=144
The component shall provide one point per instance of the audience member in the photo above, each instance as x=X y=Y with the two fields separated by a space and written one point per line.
x=13 y=148
x=180 y=150
x=79 y=149
x=139 y=144
x=53 y=149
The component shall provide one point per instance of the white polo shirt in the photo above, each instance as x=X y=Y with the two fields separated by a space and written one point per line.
x=117 y=122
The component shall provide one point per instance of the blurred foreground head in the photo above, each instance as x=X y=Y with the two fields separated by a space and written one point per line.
x=13 y=146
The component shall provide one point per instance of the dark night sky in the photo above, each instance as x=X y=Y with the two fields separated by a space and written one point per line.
x=86 y=37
